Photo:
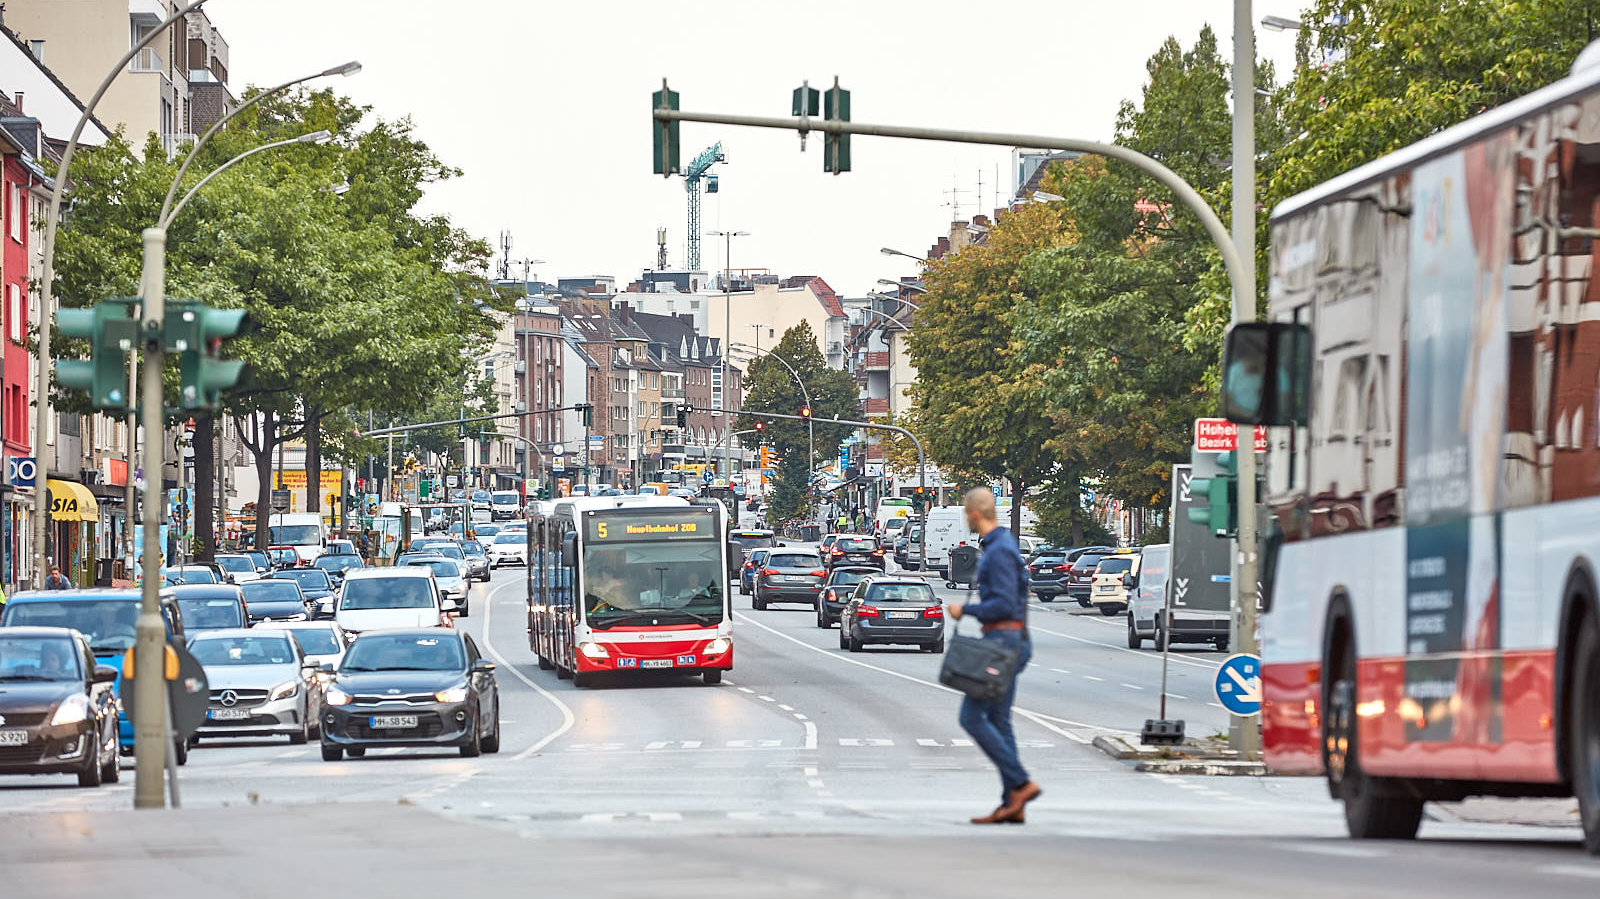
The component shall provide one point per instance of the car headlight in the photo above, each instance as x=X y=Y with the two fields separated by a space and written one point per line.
x=718 y=646
x=283 y=690
x=336 y=696
x=73 y=709
x=594 y=650
x=454 y=694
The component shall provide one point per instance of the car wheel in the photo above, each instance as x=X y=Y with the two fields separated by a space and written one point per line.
x=1085 y=603
x=758 y=603
x=181 y=752
x=304 y=735
x=854 y=645
x=332 y=753
x=844 y=641
x=474 y=746
x=938 y=647
x=111 y=771
x=194 y=741
x=1109 y=611
x=563 y=673
x=1045 y=598
x=1371 y=811
x=822 y=617
x=1134 y=640
x=1222 y=644
x=742 y=590
x=713 y=676
x=464 y=611
x=1161 y=637
x=92 y=773
x=491 y=743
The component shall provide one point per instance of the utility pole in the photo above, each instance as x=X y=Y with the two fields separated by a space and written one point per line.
x=1244 y=733
x=151 y=728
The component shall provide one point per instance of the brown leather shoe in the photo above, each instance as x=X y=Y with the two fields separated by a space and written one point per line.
x=999 y=816
x=1024 y=794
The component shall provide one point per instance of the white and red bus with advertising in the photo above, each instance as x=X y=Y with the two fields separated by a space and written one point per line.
x=629 y=583
x=1430 y=371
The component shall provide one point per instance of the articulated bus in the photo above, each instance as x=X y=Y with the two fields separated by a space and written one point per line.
x=629 y=583
x=1430 y=371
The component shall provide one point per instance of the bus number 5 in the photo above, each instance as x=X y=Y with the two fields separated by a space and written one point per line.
x=601 y=529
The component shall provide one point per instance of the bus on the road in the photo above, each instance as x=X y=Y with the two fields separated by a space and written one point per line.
x=1430 y=371
x=629 y=584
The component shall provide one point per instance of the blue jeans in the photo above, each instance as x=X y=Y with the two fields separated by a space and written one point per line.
x=989 y=721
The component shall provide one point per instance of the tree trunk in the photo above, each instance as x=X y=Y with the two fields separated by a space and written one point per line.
x=313 y=461
x=1076 y=509
x=205 y=470
x=1017 y=488
x=262 y=452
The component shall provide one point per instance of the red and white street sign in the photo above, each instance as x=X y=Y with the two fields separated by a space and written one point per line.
x=1218 y=435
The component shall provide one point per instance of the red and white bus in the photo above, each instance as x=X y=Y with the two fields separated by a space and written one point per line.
x=629 y=583
x=1431 y=553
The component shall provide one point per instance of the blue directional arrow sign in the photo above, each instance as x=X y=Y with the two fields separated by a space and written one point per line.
x=1239 y=684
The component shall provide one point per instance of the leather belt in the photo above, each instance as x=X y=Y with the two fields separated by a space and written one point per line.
x=1011 y=625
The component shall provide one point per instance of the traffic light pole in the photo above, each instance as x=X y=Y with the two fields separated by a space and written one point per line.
x=150 y=728
x=1244 y=732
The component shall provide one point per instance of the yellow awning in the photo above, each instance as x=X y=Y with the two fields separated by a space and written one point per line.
x=71 y=501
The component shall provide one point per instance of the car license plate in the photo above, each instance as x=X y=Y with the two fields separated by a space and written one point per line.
x=229 y=714
x=13 y=737
x=858 y=558
x=902 y=614
x=655 y=663
x=392 y=721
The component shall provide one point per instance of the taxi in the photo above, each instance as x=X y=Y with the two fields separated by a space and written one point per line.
x=1114 y=579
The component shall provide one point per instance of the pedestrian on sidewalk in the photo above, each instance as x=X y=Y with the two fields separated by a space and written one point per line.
x=1002 y=608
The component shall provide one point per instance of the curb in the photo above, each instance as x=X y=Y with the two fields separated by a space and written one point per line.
x=1215 y=768
x=1198 y=759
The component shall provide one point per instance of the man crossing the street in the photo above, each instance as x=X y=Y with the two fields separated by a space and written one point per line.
x=1002 y=608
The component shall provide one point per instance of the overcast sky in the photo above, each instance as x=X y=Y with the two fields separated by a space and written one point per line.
x=545 y=107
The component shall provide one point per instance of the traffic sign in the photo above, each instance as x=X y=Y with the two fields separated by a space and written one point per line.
x=21 y=471
x=1238 y=684
x=188 y=692
x=1219 y=435
x=280 y=500
x=596 y=439
x=558 y=466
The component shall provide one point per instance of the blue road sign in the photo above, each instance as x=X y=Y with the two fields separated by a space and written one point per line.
x=1239 y=684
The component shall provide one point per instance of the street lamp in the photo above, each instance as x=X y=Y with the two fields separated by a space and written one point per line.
x=1281 y=23
x=727 y=328
x=902 y=285
x=315 y=137
x=811 y=440
x=890 y=251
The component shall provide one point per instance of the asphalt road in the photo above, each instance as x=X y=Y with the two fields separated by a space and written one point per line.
x=851 y=751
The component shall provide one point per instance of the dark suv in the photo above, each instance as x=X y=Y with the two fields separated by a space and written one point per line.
x=855 y=549
x=787 y=575
x=1078 y=581
x=1045 y=572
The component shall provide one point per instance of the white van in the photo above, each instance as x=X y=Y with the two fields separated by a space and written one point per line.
x=302 y=530
x=945 y=527
x=505 y=504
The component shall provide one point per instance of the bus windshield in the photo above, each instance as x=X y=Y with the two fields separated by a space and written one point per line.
x=678 y=582
x=294 y=534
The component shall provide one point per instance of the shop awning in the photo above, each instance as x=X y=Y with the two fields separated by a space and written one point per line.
x=71 y=501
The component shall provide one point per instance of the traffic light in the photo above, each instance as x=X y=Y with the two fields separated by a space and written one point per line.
x=836 y=147
x=111 y=331
x=664 y=135
x=196 y=331
x=760 y=426
x=805 y=412
x=683 y=415
x=588 y=414
x=1221 y=513
x=544 y=492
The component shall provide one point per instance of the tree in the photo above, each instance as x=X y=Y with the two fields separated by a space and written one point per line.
x=770 y=387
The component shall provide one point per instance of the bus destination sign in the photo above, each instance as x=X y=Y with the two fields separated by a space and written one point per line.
x=612 y=526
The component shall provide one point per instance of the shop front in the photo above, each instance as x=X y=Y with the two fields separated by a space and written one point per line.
x=74 y=518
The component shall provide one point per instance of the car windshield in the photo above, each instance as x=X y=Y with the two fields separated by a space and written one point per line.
x=295 y=534
x=1085 y=564
x=259 y=559
x=386 y=593
x=894 y=524
x=653 y=581
x=487 y=530
x=505 y=498
x=855 y=544
x=751 y=541
x=791 y=560
x=472 y=549
x=911 y=593
x=208 y=614
x=108 y=623
x=337 y=563
x=1113 y=566
x=316 y=641
x=282 y=555
x=511 y=538
x=271 y=590
x=447 y=549
x=306 y=577
x=242 y=650
x=191 y=574
x=405 y=652
x=38 y=659
x=846 y=578
x=236 y=563
x=442 y=568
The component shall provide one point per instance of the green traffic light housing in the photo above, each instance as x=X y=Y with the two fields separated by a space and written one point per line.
x=112 y=334
x=836 y=147
x=1221 y=512
x=196 y=332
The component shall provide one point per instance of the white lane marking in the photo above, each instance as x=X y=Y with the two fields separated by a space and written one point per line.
x=1339 y=849
x=658 y=744
x=811 y=735
x=814 y=783
x=1035 y=717
x=293 y=753
x=1570 y=870
x=1177 y=696
x=567 y=718
x=746 y=690
x=1133 y=686
x=1093 y=678
x=656 y=817
x=811 y=772
x=1141 y=654
x=800 y=717
x=1060 y=670
x=924 y=741
x=865 y=741
x=766 y=699
x=690 y=744
x=786 y=708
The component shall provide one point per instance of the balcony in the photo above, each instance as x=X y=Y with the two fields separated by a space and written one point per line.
x=879 y=406
x=877 y=362
x=671 y=394
x=147 y=60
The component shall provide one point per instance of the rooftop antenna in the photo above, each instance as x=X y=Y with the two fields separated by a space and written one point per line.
x=661 y=249
x=955 y=193
x=505 y=255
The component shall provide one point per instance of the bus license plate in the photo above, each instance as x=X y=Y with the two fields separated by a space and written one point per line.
x=14 y=737
x=392 y=721
x=229 y=714
x=655 y=663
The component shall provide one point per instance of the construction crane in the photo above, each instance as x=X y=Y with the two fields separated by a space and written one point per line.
x=691 y=183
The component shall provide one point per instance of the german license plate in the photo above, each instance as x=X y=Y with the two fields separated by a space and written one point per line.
x=902 y=614
x=655 y=663
x=392 y=721
x=858 y=558
x=229 y=714
x=13 y=737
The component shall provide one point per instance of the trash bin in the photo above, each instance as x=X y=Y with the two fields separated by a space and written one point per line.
x=104 y=569
x=963 y=565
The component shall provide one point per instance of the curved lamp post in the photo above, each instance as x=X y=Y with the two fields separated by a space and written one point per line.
x=811 y=442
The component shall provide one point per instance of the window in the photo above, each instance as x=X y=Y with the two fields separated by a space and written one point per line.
x=19 y=211
x=14 y=312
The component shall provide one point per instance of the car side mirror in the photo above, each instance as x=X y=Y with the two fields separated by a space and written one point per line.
x=103 y=674
x=1128 y=580
x=483 y=666
x=449 y=605
x=1266 y=373
x=325 y=668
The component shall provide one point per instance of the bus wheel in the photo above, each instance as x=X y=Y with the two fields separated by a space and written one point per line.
x=545 y=664
x=563 y=673
x=714 y=676
x=1585 y=729
x=1373 y=808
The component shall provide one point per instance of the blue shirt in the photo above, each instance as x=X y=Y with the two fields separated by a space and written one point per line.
x=1002 y=592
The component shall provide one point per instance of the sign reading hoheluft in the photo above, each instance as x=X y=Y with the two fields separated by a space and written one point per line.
x=1218 y=435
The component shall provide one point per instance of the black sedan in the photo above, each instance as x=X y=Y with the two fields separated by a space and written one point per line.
x=892 y=610
x=276 y=599
x=787 y=575
x=57 y=711
x=314 y=583
x=421 y=687
x=836 y=589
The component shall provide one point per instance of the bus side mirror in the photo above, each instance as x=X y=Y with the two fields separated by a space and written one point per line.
x=569 y=551
x=1266 y=369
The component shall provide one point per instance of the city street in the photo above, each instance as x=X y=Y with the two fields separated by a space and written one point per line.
x=806 y=740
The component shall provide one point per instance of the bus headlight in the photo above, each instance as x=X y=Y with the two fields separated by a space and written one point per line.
x=594 y=650
x=718 y=646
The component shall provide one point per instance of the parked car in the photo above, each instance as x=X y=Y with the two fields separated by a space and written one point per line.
x=855 y=549
x=836 y=590
x=260 y=684
x=210 y=607
x=423 y=687
x=275 y=599
x=239 y=567
x=1078 y=581
x=892 y=610
x=58 y=708
x=1148 y=601
x=1046 y=570
x=1113 y=579
x=747 y=571
x=382 y=598
x=787 y=575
